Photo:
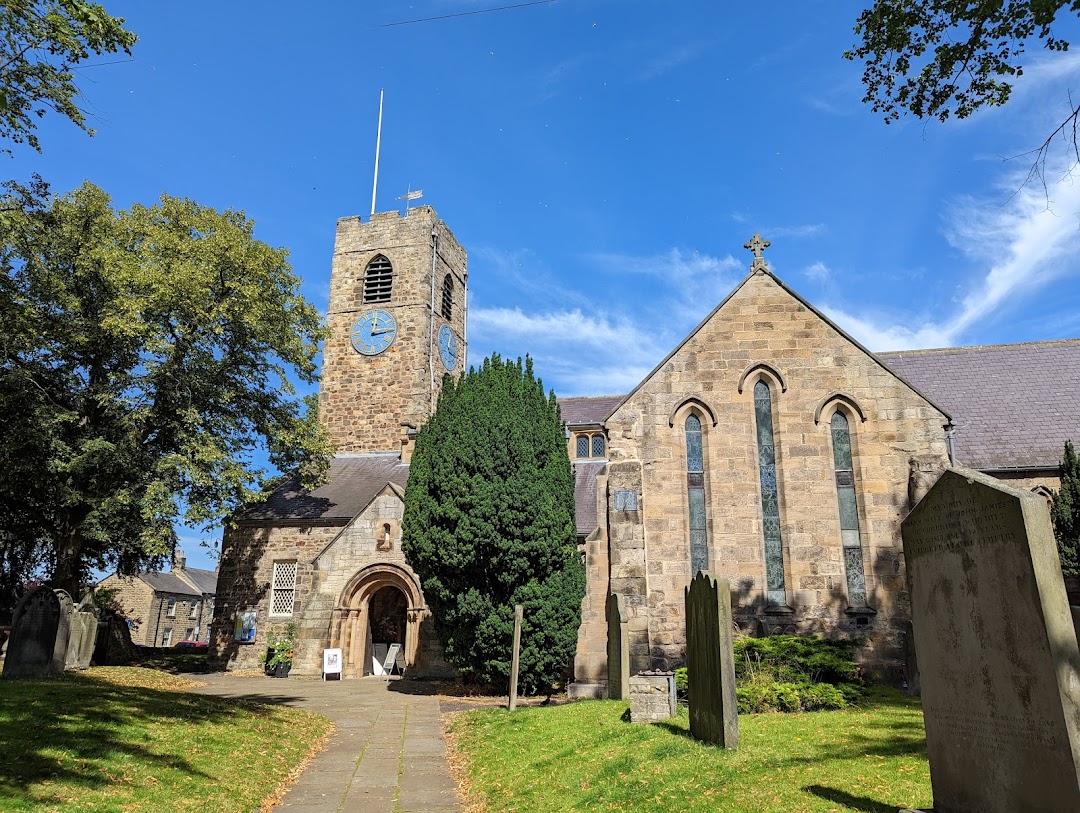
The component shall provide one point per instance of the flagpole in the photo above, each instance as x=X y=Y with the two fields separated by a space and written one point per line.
x=378 y=144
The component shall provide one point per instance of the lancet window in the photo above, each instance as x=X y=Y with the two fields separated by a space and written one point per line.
x=849 y=511
x=695 y=492
x=775 y=593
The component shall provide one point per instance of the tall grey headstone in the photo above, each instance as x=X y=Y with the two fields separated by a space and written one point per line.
x=710 y=662
x=618 y=648
x=998 y=659
x=34 y=626
x=84 y=629
x=63 y=629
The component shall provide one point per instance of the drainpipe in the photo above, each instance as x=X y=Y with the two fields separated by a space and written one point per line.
x=949 y=430
x=431 y=329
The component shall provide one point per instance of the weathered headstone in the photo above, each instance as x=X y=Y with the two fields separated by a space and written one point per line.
x=998 y=659
x=63 y=629
x=515 y=655
x=84 y=627
x=34 y=626
x=618 y=648
x=710 y=662
x=652 y=697
x=114 y=645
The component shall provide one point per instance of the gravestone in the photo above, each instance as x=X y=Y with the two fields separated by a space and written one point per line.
x=63 y=629
x=618 y=648
x=34 y=627
x=998 y=659
x=84 y=628
x=710 y=662
x=652 y=697
x=114 y=646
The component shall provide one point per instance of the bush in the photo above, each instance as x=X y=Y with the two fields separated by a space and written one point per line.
x=792 y=673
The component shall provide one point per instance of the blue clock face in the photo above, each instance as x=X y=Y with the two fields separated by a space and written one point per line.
x=447 y=347
x=373 y=332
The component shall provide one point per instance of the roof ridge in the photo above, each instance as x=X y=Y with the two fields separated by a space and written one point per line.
x=960 y=347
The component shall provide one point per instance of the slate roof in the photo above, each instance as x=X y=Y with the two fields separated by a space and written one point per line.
x=588 y=410
x=169 y=583
x=585 y=472
x=1013 y=405
x=354 y=482
x=204 y=580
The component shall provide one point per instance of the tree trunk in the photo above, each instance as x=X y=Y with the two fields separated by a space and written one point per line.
x=68 y=572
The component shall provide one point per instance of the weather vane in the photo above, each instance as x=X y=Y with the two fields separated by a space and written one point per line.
x=410 y=195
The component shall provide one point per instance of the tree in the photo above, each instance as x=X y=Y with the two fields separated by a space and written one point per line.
x=41 y=43
x=942 y=58
x=489 y=523
x=1065 y=512
x=145 y=356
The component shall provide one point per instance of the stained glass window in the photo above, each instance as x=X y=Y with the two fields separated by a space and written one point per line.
x=775 y=593
x=695 y=487
x=849 y=511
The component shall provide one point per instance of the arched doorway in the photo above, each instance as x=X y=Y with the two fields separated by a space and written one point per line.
x=381 y=604
x=388 y=615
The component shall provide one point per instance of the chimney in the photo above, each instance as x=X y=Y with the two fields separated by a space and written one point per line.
x=178 y=561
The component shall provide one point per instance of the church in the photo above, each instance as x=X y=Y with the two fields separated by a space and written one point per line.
x=768 y=447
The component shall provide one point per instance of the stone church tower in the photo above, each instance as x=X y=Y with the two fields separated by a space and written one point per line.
x=397 y=325
x=328 y=563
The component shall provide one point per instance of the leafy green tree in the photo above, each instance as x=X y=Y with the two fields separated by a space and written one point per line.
x=1065 y=511
x=942 y=58
x=41 y=43
x=489 y=523
x=145 y=356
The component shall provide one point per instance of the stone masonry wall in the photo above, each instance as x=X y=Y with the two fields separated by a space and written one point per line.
x=762 y=322
x=363 y=400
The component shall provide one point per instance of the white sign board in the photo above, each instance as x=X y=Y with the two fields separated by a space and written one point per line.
x=391 y=659
x=331 y=663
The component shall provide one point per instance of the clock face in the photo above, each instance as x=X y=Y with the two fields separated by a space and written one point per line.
x=447 y=347
x=373 y=332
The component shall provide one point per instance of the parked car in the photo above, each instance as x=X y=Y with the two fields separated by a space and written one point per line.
x=191 y=645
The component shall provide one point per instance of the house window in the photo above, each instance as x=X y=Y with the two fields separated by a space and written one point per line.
x=189 y=635
x=283 y=588
x=447 y=297
x=587 y=445
x=378 y=280
x=193 y=610
x=695 y=490
x=166 y=638
x=170 y=608
x=775 y=594
x=849 y=511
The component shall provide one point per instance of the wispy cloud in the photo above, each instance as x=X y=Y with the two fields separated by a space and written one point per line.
x=576 y=352
x=1031 y=242
x=670 y=59
x=818 y=272
x=801 y=230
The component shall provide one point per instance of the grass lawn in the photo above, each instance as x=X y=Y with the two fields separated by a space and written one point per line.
x=584 y=757
x=130 y=739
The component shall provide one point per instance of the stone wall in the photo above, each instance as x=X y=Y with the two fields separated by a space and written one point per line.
x=363 y=400
x=763 y=331
x=137 y=599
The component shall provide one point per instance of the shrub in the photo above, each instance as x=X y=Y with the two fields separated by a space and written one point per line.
x=789 y=673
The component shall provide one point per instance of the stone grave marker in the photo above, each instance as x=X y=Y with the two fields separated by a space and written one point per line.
x=84 y=628
x=34 y=626
x=618 y=648
x=652 y=697
x=710 y=662
x=63 y=629
x=998 y=660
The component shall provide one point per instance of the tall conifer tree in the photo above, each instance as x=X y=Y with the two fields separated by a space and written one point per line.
x=1065 y=512
x=489 y=523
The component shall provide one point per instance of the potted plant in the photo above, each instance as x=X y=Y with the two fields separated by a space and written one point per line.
x=279 y=650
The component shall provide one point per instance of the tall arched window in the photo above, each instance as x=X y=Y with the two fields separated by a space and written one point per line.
x=695 y=490
x=378 y=280
x=849 y=511
x=775 y=593
x=447 y=297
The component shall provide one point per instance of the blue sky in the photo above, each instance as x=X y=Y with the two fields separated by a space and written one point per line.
x=603 y=161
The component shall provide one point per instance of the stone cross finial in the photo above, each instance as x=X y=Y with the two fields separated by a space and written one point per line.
x=757 y=245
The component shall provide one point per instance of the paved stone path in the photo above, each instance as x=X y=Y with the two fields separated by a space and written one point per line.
x=386 y=756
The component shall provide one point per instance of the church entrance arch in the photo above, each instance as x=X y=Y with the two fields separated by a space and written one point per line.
x=381 y=605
